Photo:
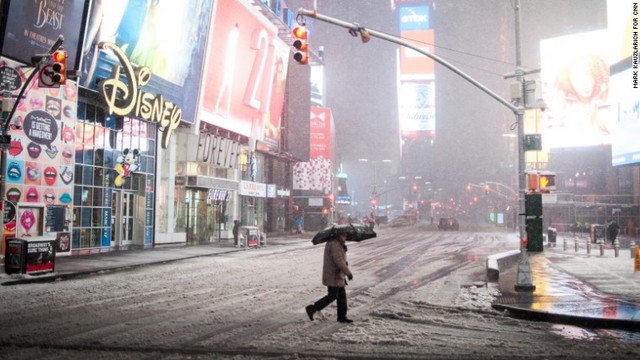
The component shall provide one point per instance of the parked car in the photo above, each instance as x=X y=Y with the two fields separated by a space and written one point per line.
x=448 y=224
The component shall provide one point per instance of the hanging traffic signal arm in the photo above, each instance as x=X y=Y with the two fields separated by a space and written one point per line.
x=380 y=35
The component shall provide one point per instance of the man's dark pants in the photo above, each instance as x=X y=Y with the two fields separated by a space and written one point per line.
x=334 y=293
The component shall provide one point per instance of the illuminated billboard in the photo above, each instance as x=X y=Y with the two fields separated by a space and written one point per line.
x=246 y=73
x=31 y=27
x=145 y=31
x=624 y=87
x=416 y=105
x=416 y=90
x=575 y=89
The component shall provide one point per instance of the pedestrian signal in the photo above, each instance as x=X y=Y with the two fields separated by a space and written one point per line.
x=541 y=182
x=301 y=54
x=547 y=183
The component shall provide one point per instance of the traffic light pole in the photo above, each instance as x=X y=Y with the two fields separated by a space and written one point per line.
x=355 y=28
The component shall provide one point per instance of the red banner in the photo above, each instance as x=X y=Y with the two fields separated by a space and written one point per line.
x=320 y=133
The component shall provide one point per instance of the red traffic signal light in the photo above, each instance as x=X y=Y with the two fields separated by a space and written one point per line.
x=59 y=66
x=300 y=44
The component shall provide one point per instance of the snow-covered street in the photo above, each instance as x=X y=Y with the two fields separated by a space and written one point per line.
x=414 y=295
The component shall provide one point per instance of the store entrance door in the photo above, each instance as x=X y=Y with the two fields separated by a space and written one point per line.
x=122 y=205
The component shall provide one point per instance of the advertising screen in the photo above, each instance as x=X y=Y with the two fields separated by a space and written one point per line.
x=417 y=104
x=246 y=73
x=575 y=89
x=33 y=26
x=147 y=32
x=416 y=93
x=625 y=89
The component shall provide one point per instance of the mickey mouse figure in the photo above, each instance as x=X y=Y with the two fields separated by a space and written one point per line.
x=126 y=164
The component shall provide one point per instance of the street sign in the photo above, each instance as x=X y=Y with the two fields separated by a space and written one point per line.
x=46 y=77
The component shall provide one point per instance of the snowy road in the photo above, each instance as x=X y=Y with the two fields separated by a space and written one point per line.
x=412 y=297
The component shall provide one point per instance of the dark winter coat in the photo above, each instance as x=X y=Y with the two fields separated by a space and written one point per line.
x=236 y=228
x=335 y=266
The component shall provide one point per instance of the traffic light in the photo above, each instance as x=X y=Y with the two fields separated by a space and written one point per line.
x=534 y=234
x=59 y=67
x=300 y=43
x=533 y=204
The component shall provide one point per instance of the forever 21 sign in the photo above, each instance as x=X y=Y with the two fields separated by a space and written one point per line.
x=218 y=151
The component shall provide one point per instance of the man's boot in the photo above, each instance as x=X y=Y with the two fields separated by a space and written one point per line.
x=310 y=311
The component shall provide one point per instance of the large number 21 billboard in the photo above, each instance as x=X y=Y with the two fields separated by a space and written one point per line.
x=246 y=73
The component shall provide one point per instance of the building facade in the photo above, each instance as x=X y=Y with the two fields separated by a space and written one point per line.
x=153 y=142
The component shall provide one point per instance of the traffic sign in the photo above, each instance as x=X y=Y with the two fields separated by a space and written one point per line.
x=46 y=77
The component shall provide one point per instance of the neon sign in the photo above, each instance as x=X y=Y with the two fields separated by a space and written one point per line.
x=125 y=96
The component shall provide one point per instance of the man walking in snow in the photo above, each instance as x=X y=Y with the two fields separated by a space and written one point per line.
x=334 y=270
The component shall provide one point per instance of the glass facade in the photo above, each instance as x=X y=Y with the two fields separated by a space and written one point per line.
x=114 y=183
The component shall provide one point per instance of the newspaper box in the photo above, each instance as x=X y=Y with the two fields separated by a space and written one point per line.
x=30 y=255
x=250 y=236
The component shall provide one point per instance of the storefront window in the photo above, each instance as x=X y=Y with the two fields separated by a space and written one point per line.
x=102 y=142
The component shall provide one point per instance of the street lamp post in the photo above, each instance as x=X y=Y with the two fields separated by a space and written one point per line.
x=374 y=192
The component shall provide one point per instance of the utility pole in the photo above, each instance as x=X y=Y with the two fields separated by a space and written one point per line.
x=518 y=109
x=523 y=279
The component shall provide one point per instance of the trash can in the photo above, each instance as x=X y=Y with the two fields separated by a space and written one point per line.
x=597 y=233
x=30 y=255
x=552 y=234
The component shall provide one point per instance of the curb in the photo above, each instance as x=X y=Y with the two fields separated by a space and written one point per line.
x=582 y=321
x=58 y=276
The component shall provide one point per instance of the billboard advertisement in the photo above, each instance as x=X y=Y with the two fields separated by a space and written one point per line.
x=40 y=159
x=316 y=174
x=413 y=64
x=575 y=89
x=246 y=73
x=416 y=91
x=31 y=28
x=624 y=85
x=143 y=30
x=416 y=104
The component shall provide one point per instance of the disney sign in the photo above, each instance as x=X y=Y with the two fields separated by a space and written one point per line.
x=123 y=95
